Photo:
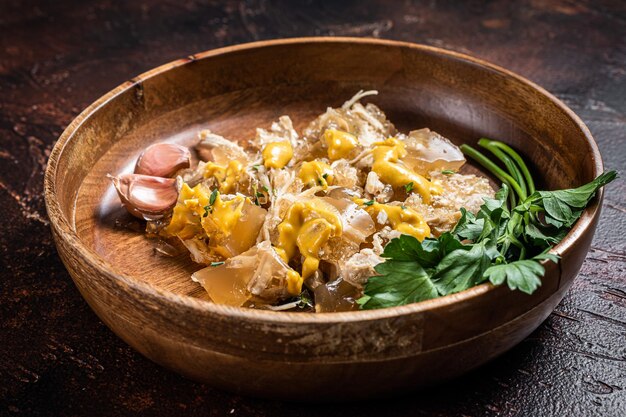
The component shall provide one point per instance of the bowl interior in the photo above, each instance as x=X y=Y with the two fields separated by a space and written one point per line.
x=236 y=90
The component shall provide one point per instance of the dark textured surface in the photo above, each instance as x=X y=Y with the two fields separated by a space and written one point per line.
x=57 y=358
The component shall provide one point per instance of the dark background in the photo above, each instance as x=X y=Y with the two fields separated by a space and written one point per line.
x=57 y=358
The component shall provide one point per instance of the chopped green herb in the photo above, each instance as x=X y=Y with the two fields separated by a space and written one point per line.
x=369 y=203
x=448 y=172
x=305 y=300
x=325 y=175
x=216 y=263
x=209 y=209
x=213 y=196
x=408 y=187
x=259 y=194
x=264 y=188
x=403 y=207
x=320 y=181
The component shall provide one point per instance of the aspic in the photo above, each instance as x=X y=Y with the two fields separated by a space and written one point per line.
x=349 y=213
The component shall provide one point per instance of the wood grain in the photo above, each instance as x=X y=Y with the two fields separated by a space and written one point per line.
x=56 y=356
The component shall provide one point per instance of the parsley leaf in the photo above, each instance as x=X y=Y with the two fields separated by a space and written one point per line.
x=564 y=207
x=407 y=274
x=409 y=187
x=462 y=269
x=398 y=283
x=468 y=227
x=543 y=236
x=448 y=243
x=524 y=275
x=448 y=172
x=406 y=248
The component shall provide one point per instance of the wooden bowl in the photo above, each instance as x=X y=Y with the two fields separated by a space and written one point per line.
x=150 y=301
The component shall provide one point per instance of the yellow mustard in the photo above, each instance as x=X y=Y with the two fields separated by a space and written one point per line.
x=387 y=164
x=339 y=143
x=220 y=219
x=227 y=176
x=185 y=222
x=196 y=211
x=316 y=173
x=294 y=282
x=277 y=154
x=307 y=227
x=223 y=215
x=403 y=219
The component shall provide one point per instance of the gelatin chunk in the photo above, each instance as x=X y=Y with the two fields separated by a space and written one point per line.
x=258 y=274
x=334 y=296
x=429 y=151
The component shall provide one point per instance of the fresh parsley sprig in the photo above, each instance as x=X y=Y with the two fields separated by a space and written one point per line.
x=502 y=243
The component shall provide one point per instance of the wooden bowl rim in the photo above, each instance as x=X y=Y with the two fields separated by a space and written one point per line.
x=66 y=232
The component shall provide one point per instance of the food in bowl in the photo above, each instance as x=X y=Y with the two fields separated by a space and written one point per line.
x=348 y=214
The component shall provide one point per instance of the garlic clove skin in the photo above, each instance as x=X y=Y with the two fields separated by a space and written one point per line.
x=163 y=160
x=146 y=197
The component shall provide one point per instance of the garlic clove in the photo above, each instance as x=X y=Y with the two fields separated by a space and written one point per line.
x=144 y=196
x=163 y=160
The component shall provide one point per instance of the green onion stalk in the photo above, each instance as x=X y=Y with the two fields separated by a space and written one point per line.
x=515 y=174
